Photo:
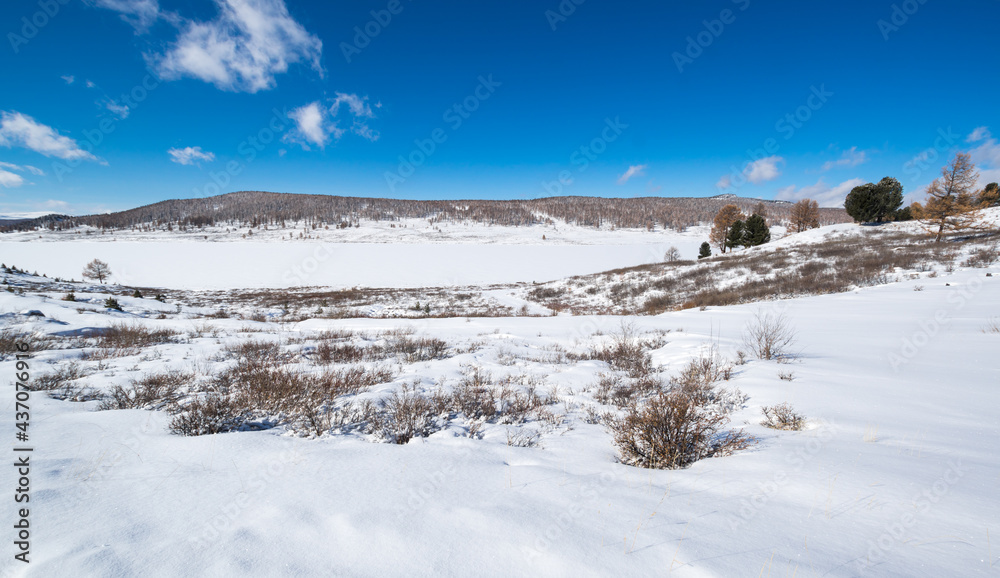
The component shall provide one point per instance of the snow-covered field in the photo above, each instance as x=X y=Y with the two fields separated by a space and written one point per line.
x=372 y=255
x=204 y=265
x=894 y=474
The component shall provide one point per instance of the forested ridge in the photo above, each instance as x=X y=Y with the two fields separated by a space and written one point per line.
x=256 y=208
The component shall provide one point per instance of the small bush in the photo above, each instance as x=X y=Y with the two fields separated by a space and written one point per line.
x=120 y=339
x=672 y=430
x=69 y=296
x=782 y=416
x=769 y=335
x=11 y=336
x=626 y=352
x=406 y=414
x=58 y=378
x=112 y=303
x=149 y=392
x=210 y=415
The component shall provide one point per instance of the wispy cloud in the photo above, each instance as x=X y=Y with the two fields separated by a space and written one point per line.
x=141 y=14
x=190 y=155
x=10 y=180
x=242 y=50
x=69 y=78
x=317 y=123
x=120 y=110
x=980 y=133
x=850 y=158
x=18 y=129
x=825 y=195
x=633 y=171
x=22 y=168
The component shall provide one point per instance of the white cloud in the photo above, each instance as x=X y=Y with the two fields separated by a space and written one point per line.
x=90 y=84
x=17 y=129
x=850 y=158
x=822 y=193
x=316 y=124
x=311 y=125
x=33 y=170
x=986 y=156
x=633 y=171
x=980 y=133
x=190 y=155
x=10 y=180
x=763 y=170
x=724 y=182
x=141 y=14
x=69 y=78
x=120 y=110
x=358 y=106
x=242 y=50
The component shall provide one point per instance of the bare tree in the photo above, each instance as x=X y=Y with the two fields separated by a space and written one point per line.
x=97 y=270
x=672 y=254
x=805 y=215
x=724 y=220
x=951 y=200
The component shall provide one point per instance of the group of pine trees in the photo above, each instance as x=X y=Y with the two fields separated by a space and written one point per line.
x=731 y=228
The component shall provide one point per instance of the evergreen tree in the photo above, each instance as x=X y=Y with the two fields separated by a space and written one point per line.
x=705 y=250
x=756 y=232
x=874 y=203
x=735 y=237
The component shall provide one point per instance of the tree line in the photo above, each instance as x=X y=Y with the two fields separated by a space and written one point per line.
x=252 y=209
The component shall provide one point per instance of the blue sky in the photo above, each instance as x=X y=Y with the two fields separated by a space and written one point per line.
x=110 y=104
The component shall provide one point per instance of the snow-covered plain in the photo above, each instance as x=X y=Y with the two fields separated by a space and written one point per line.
x=372 y=255
x=895 y=474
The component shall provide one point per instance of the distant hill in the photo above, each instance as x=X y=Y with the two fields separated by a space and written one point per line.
x=255 y=208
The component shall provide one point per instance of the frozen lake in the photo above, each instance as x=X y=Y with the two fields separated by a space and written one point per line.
x=208 y=265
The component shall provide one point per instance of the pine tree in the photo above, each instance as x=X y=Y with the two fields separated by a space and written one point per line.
x=756 y=232
x=705 y=250
x=874 y=203
x=735 y=237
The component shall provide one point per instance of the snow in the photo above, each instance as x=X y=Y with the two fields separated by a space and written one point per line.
x=205 y=265
x=895 y=474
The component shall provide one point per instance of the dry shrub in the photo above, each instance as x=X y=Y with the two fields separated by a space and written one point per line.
x=520 y=438
x=769 y=335
x=993 y=326
x=782 y=416
x=152 y=391
x=413 y=349
x=672 y=430
x=622 y=391
x=627 y=352
x=11 y=336
x=121 y=339
x=327 y=353
x=210 y=415
x=404 y=415
x=59 y=378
